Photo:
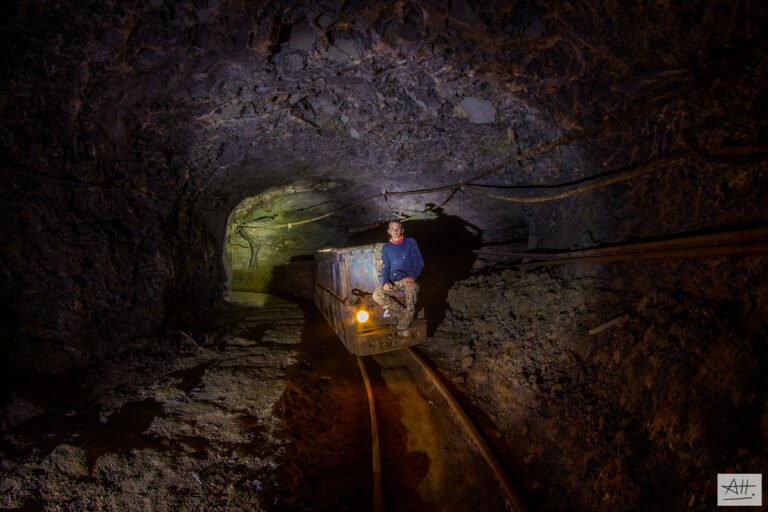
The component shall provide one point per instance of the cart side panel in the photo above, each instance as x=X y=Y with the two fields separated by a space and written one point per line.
x=362 y=269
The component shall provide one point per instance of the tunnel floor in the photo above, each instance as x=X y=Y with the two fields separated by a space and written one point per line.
x=259 y=408
x=651 y=373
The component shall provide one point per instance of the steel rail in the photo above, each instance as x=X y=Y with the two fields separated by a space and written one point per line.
x=378 y=497
x=513 y=497
x=514 y=501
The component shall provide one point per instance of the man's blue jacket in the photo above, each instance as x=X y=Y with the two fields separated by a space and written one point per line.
x=401 y=260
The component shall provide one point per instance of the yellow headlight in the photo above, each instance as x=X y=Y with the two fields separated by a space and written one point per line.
x=362 y=316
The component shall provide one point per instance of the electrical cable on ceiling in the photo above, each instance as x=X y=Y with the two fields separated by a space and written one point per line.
x=669 y=159
x=535 y=151
x=621 y=176
x=453 y=188
x=638 y=171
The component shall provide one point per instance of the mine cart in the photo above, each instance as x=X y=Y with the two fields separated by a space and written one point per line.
x=344 y=282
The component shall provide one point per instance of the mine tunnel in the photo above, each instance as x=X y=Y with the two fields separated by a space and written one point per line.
x=586 y=182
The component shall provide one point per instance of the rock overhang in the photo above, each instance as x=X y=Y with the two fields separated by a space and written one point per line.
x=135 y=130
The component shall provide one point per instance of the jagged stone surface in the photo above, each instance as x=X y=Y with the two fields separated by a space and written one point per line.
x=130 y=131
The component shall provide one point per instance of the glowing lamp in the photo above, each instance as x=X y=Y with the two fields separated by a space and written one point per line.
x=362 y=316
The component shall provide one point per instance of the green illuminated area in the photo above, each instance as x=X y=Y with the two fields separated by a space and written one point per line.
x=259 y=236
x=292 y=222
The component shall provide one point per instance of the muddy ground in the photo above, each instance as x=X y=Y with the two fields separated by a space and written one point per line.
x=260 y=408
x=179 y=422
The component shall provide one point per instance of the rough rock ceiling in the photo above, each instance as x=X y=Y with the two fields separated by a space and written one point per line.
x=130 y=131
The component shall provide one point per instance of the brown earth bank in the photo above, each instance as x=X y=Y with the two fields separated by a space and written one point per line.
x=639 y=416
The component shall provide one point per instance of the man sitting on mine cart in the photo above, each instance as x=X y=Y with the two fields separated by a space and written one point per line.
x=402 y=265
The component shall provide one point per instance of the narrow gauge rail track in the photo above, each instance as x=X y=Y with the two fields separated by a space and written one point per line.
x=513 y=500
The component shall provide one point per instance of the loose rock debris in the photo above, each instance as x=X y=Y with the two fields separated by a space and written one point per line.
x=175 y=426
x=632 y=418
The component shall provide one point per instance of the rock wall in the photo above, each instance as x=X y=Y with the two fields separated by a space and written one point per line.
x=640 y=416
x=129 y=131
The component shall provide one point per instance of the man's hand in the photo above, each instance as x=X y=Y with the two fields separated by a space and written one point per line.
x=409 y=281
x=387 y=286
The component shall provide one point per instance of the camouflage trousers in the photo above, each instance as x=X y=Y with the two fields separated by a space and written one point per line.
x=386 y=299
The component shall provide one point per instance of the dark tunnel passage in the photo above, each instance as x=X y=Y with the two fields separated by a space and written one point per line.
x=586 y=181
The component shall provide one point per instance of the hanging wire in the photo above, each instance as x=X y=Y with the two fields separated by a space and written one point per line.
x=454 y=187
x=617 y=176
x=667 y=160
x=624 y=176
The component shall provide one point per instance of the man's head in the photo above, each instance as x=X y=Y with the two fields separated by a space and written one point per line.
x=395 y=229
